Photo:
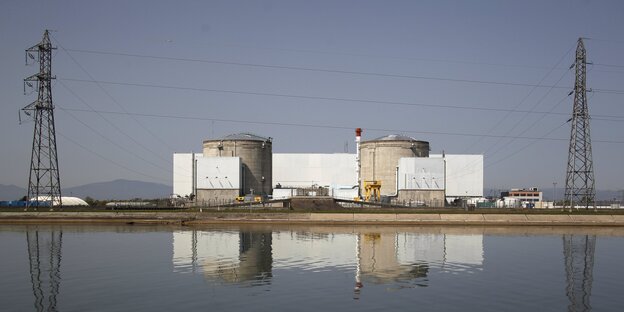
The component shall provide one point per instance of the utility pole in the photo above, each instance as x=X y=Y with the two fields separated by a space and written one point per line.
x=554 y=193
x=580 y=184
x=43 y=183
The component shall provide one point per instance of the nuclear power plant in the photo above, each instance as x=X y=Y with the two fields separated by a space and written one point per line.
x=389 y=169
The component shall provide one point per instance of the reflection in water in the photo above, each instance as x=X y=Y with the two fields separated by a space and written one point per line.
x=389 y=266
x=44 y=255
x=378 y=261
x=230 y=257
x=378 y=258
x=578 y=251
x=385 y=258
x=256 y=258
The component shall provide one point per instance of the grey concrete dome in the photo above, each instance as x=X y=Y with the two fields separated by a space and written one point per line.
x=380 y=157
x=241 y=137
x=394 y=137
x=256 y=154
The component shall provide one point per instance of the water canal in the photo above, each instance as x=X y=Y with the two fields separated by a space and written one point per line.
x=310 y=268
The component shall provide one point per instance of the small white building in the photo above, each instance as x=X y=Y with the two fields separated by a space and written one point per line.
x=527 y=197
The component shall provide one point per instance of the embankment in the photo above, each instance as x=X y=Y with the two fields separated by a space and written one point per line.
x=198 y=218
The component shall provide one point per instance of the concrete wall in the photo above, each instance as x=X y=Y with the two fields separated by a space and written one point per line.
x=219 y=173
x=305 y=170
x=464 y=175
x=210 y=196
x=429 y=197
x=284 y=193
x=349 y=194
x=256 y=159
x=419 y=173
x=211 y=173
x=183 y=173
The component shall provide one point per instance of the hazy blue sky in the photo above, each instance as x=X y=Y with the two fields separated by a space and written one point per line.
x=459 y=74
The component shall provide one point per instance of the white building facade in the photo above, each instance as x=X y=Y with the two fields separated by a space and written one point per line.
x=437 y=177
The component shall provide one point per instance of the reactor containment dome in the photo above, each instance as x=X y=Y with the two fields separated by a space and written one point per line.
x=380 y=159
x=256 y=156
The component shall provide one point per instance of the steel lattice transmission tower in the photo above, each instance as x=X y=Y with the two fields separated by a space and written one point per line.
x=580 y=184
x=44 y=184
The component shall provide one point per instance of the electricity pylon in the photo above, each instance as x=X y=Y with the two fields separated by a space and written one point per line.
x=580 y=184
x=44 y=184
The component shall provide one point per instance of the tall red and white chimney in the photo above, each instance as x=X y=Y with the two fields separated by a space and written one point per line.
x=358 y=136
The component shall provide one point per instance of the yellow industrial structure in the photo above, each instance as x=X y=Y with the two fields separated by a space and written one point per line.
x=372 y=189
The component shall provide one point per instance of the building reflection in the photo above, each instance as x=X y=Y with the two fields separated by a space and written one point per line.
x=255 y=258
x=578 y=253
x=378 y=261
x=384 y=258
x=249 y=257
x=243 y=257
x=44 y=255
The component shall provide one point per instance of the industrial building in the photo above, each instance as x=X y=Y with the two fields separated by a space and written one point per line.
x=527 y=198
x=393 y=168
x=231 y=166
x=335 y=173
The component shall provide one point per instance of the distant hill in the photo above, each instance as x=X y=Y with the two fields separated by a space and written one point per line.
x=11 y=192
x=118 y=189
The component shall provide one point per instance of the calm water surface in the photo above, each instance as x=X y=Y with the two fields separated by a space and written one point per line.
x=310 y=268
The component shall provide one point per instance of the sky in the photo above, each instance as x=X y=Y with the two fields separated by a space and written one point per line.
x=137 y=81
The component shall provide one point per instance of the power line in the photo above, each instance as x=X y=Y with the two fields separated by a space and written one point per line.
x=324 y=70
x=118 y=104
x=111 y=123
x=185 y=59
x=113 y=142
x=383 y=56
x=516 y=152
x=108 y=139
x=107 y=159
x=606 y=40
x=528 y=128
x=310 y=97
x=608 y=65
x=500 y=121
x=327 y=126
x=519 y=121
x=608 y=91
